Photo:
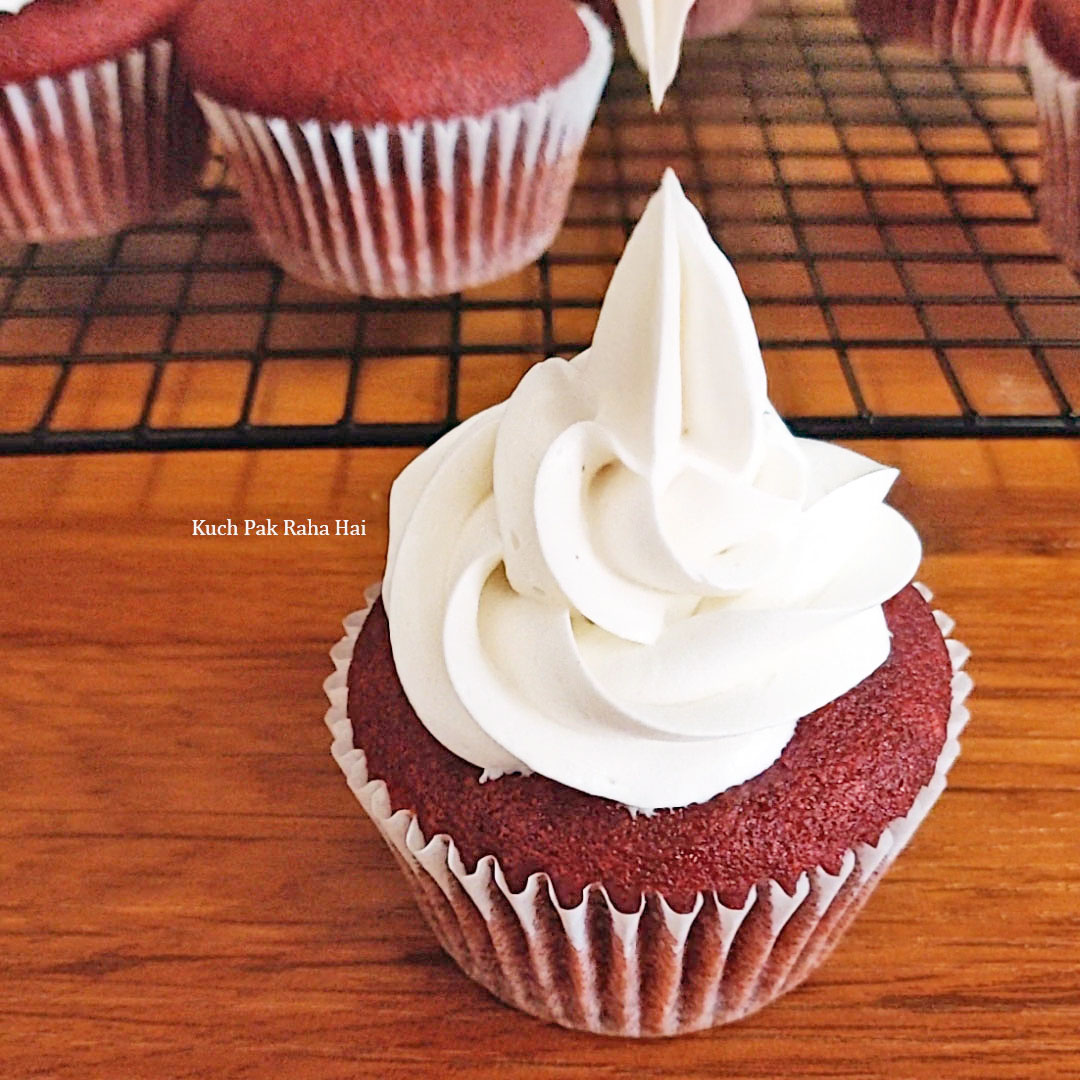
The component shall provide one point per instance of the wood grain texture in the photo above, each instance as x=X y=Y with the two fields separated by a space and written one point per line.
x=187 y=888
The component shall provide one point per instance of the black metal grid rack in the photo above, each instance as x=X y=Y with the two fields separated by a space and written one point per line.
x=877 y=205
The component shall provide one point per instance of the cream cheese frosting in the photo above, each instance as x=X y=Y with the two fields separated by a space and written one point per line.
x=654 y=32
x=630 y=577
x=13 y=7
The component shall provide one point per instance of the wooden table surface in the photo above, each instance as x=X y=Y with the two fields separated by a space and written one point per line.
x=188 y=889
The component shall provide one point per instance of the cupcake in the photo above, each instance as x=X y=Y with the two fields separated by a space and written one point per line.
x=1053 y=58
x=98 y=130
x=710 y=18
x=648 y=703
x=655 y=30
x=400 y=150
x=967 y=31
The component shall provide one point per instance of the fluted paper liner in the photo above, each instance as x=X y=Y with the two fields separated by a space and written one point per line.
x=967 y=31
x=418 y=209
x=654 y=971
x=99 y=148
x=1057 y=98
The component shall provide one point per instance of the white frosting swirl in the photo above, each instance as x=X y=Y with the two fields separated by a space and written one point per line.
x=631 y=577
x=654 y=32
x=13 y=7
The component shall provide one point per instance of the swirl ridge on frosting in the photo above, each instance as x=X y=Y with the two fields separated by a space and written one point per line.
x=630 y=577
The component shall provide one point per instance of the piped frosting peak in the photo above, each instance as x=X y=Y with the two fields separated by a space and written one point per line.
x=654 y=32
x=631 y=577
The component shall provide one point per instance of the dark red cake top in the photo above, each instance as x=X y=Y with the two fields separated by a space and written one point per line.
x=52 y=37
x=1057 y=26
x=850 y=769
x=367 y=61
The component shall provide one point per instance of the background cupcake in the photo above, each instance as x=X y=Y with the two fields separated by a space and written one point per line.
x=649 y=704
x=97 y=128
x=400 y=150
x=1053 y=57
x=705 y=19
x=606 y=10
x=709 y=18
x=967 y=31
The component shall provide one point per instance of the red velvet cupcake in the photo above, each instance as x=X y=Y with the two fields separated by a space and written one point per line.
x=967 y=31
x=97 y=128
x=400 y=150
x=648 y=705
x=1053 y=57
x=711 y=18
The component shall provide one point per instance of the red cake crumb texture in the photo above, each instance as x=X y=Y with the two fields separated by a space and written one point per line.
x=851 y=768
x=52 y=37
x=1057 y=25
x=366 y=61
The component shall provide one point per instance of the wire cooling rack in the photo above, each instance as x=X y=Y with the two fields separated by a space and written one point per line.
x=877 y=205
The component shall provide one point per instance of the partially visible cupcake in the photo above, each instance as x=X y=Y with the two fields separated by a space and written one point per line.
x=400 y=149
x=98 y=130
x=967 y=31
x=648 y=704
x=1053 y=57
x=711 y=18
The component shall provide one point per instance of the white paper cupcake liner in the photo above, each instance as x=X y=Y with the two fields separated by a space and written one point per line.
x=102 y=147
x=418 y=209
x=1057 y=99
x=990 y=31
x=967 y=31
x=654 y=971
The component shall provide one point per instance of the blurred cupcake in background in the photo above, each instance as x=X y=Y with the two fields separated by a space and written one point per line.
x=98 y=130
x=400 y=150
x=967 y=31
x=1053 y=58
x=710 y=18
